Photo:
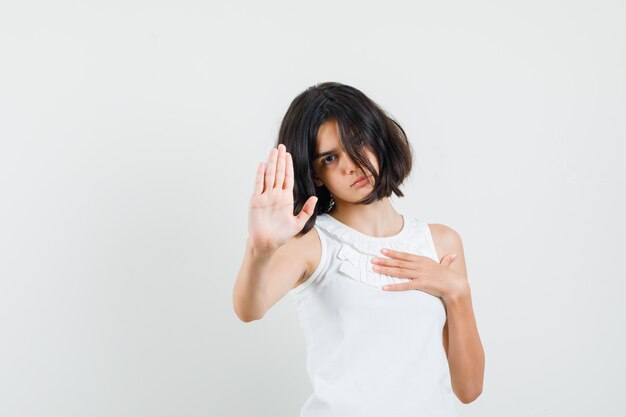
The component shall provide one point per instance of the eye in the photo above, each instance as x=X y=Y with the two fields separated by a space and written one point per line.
x=325 y=160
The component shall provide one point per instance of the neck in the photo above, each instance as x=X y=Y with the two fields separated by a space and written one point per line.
x=378 y=219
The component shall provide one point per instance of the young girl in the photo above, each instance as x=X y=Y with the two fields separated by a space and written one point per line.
x=389 y=326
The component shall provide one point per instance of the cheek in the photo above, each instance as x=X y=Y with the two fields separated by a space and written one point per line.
x=373 y=159
x=332 y=183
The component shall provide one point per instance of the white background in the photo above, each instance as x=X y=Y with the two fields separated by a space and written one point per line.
x=130 y=135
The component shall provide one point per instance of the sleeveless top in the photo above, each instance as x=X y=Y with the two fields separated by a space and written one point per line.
x=372 y=352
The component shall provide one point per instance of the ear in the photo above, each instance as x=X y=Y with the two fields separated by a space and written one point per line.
x=316 y=180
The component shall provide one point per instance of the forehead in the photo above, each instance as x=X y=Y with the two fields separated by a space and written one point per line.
x=328 y=136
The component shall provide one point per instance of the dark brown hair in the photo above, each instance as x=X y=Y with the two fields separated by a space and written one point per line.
x=359 y=119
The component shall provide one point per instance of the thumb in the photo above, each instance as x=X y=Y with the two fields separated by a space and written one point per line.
x=307 y=211
x=448 y=259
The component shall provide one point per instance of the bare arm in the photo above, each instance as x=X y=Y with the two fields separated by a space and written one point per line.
x=272 y=260
x=265 y=277
x=250 y=289
x=466 y=357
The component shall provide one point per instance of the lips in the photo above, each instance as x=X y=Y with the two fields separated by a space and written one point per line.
x=359 y=179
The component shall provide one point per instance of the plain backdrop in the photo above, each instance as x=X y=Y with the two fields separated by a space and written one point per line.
x=130 y=135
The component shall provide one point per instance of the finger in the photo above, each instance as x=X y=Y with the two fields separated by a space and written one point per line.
x=394 y=262
x=271 y=169
x=288 y=172
x=400 y=255
x=280 y=167
x=448 y=259
x=400 y=287
x=395 y=272
x=397 y=254
x=307 y=211
x=258 y=182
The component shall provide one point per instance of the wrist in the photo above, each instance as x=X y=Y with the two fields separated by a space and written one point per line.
x=260 y=251
x=459 y=295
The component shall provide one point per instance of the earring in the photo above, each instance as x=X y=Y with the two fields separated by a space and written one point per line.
x=332 y=202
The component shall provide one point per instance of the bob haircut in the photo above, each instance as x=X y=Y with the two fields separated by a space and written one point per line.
x=360 y=121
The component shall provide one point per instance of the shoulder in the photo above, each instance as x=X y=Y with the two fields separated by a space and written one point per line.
x=444 y=233
x=446 y=239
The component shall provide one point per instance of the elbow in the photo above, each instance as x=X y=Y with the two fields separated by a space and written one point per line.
x=246 y=316
x=467 y=398
x=248 y=319
x=243 y=309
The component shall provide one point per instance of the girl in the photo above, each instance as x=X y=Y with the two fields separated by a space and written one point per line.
x=389 y=326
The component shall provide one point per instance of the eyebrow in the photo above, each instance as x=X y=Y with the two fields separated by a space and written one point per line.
x=319 y=155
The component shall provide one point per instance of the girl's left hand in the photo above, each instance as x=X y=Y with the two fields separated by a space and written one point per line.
x=437 y=279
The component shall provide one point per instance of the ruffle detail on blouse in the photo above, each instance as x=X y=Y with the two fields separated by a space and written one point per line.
x=356 y=253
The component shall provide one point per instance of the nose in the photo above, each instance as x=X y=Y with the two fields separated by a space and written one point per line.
x=348 y=164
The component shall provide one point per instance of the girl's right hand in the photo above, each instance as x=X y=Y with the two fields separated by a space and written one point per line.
x=271 y=222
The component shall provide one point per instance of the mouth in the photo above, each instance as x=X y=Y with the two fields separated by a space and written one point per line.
x=359 y=179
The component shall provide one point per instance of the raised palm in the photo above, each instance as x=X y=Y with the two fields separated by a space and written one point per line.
x=270 y=219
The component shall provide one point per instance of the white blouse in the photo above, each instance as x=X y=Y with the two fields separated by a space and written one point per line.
x=371 y=352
